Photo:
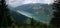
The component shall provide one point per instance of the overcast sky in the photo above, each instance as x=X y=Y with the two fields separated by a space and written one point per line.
x=15 y=3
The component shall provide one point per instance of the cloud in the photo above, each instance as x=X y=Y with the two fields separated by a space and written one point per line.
x=49 y=1
x=15 y=3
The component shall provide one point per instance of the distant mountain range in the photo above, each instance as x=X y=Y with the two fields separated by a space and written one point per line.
x=29 y=10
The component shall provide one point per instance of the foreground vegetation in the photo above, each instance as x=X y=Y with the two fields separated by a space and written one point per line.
x=32 y=24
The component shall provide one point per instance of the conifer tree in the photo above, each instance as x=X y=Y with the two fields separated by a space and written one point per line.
x=56 y=19
x=32 y=22
x=5 y=18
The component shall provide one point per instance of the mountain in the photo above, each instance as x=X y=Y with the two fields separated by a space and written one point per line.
x=44 y=9
x=40 y=12
x=18 y=18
